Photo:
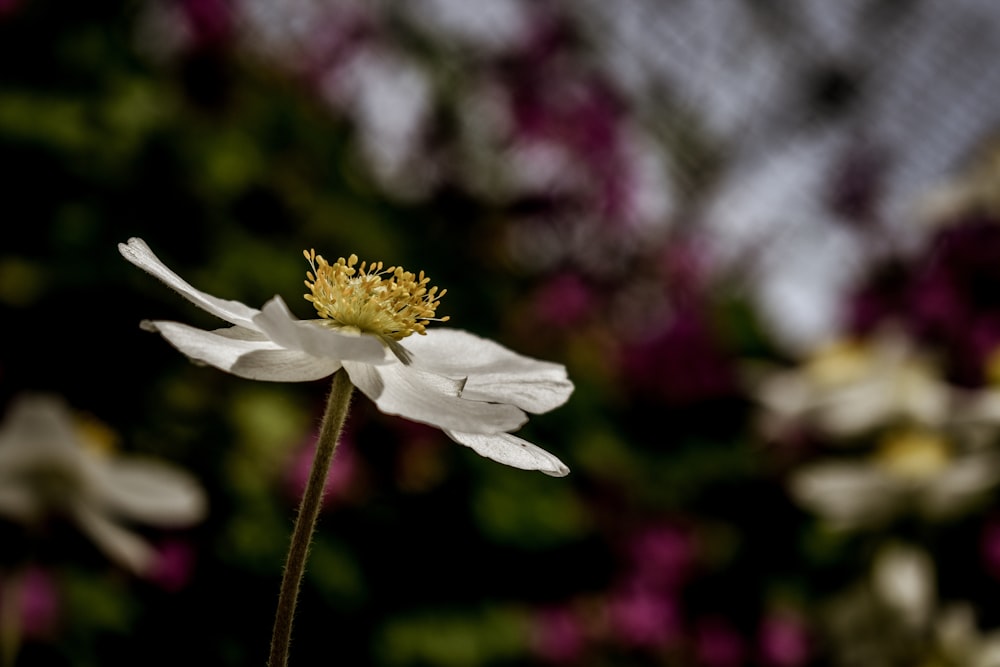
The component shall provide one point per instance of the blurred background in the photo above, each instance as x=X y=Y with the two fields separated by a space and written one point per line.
x=762 y=236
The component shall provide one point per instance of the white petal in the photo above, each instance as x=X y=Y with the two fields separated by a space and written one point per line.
x=430 y=399
x=120 y=544
x=38 y=427
x=855 y=409
x=291 y=333
x=240 y=352
x=965 y=481
x=785 y=393
x=903 y=577
x=234 y=312
x=847 y=494
x=18 y=501
x=151 y=492
x=513 y=451
x=495 y=373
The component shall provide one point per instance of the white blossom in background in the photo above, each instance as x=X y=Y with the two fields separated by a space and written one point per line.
x=473 y=389
x=854 y=387
x=911 y=472
x=896 y=616
x=930 y=444
x=903 y=578
x=49 y=467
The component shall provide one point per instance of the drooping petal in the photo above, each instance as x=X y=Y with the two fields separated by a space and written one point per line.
x=495 y=373
x=278 y=323
x=430 y=399
x=234 y=312
x=151 y=492
x=244 y=353
x=513 y=451
x=119 y=543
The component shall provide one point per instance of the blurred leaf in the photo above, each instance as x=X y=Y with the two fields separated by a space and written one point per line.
x=458 y=639
x=531 y=510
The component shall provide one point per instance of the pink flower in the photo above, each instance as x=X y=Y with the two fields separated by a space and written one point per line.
x=784 y=640
x=210 y=21
x=564 y=301
x=559 y=635
x=662 y=556
x=173 y=565
x=641 y=617
x=683 y=363
x=340 y=478
x=990 y=547
x=37 y=601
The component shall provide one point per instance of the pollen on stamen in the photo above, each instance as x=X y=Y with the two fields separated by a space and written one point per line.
x=390 y=303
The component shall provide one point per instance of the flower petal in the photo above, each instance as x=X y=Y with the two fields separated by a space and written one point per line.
x=430 y=399
x=151 y=492
x=966 y=481
x=848 y=494
x=46 y=423
x=278 y=323
x=495 y=373
x=234 y=312
x=119 y=543
x=243 y=353
x=513 y=451
x=18 y=501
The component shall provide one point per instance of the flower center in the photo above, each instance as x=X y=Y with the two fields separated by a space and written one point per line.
x=915 y=455
x=389 y=303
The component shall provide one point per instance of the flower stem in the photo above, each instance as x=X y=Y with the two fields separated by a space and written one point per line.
x=305 y=521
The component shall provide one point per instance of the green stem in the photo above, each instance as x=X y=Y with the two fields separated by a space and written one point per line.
x=305 y=521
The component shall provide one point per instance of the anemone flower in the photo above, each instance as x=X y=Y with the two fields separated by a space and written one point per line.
x=855 y=387
x=473 y=389
x=49 y=468
x=912 y=472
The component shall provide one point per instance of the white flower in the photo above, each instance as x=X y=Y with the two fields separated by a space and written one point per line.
x=473 y=389
x=912 y=471
x=49 y=467
x=897 y=617
x=855 y=387
x=903 y=578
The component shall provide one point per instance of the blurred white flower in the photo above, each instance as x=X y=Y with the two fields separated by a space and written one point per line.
x=962 y=643
x=895 y=617
x=49 y=467
x=903 y=579
x=856 y=386
x=912 y=471
x=473 y=389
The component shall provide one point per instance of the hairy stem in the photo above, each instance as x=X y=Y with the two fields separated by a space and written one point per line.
x=305 y=521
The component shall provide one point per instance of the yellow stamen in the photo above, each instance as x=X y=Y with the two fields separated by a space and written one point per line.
x=913 y=454
x=389 y=303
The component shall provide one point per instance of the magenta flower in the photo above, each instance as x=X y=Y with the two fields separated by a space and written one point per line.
x=37 y=601
x=784 y=640
x=559 y=635
x=339 y=478
x=662 y=556
x=641 y=617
